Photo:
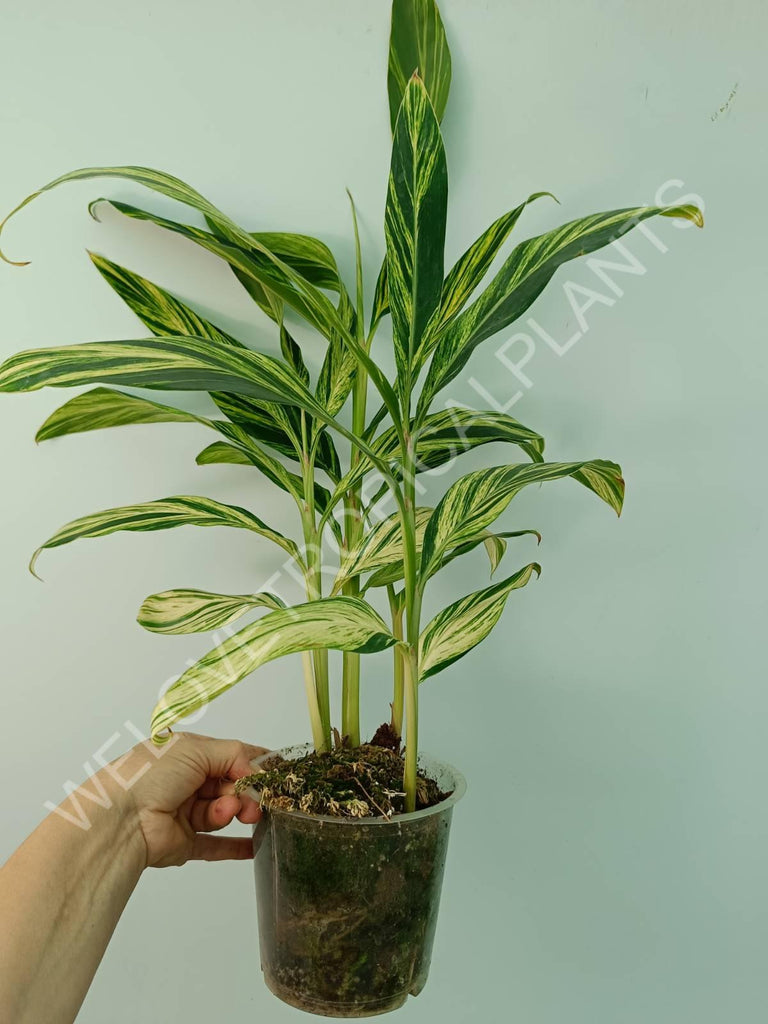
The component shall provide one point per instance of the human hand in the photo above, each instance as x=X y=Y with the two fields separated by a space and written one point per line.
x=182 y=791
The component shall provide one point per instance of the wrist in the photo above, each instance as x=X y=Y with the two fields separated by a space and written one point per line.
x=116 y=821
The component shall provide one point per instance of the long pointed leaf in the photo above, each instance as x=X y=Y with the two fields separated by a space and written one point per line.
x=102 y=408
x=417 y=43
x=415 y=225
x=463 y=625
x=337 y=623
x=292 y=287
x=469 y=270
x=165 y=514
x=523 y=277
x=199 y=611
x=476 y=500
x=170 y=364
x=379 y=547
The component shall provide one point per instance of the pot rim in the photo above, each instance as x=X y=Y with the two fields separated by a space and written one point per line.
x=429 y=763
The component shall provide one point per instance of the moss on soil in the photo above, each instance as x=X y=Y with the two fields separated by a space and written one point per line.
x=348 y=782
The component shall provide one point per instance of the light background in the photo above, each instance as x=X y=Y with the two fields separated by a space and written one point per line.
x=608 y=862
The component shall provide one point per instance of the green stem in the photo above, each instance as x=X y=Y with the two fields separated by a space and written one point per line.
x=314 y=582
x=412 y=620
x=318 y=733
x=398 y=665
x=353 y=522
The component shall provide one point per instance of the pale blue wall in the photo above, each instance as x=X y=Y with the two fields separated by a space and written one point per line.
x=608 y=864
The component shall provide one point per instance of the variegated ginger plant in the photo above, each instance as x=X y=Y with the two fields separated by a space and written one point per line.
x=283 y=424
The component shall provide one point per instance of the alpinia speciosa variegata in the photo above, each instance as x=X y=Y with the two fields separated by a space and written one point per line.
x=280 y=422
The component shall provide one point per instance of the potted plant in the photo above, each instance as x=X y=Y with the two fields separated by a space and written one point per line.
x=350 y=852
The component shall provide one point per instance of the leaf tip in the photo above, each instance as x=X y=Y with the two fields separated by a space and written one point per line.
x=33 y=565
x=686 y=212
x=92 y=208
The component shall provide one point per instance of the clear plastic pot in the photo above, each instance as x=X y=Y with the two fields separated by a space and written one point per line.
x=347 y=907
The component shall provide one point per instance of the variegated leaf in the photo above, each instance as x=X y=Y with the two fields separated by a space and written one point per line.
x=476 y=500
x=157 y=309
x=522 y=278
x=463 y=625
x=164 y=314
x=292 y=287
x=170 y=364
x=380 y=298
x=254 y=263
x=167 y=364
x=199 y=611
x=102 y=408
x=414 y=224
x=470 y=269
x=495 y=545
x=165 y=514
x=221 y=453
x=281 y=280
x=337 y=374
x=336 y=623
x=417 y=43
x=444 y=436
x=381 y=546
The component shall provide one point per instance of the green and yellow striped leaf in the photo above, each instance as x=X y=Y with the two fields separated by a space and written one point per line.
x=254 y=263
x=414 y=224
x=445 y=435
x=102 y=408
x=495 y=545
x=476 y=500
x=380 y=298
x=381 y=546
x=465 y=623
x=417 y=43
x=168 y=364
x=221 y=453
x=159 y=310
x=164 y=315
x=282 y=281
x=199 y=611
x=470 y=269
x=292 y=287
x=337 y=374
x=522 y=278
x=165 y=514
x=450 y=432
x=336 y=623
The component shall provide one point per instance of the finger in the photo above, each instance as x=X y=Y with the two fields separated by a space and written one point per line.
x=221 y=848
x=212 y=788
x=250 y=811
x=229 y=759
x=211 y=815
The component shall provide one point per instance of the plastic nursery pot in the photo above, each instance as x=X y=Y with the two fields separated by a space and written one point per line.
x=348 y=907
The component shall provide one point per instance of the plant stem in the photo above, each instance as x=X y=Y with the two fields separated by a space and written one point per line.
x=412 y=618
x=353 y=520
x=398 y=666
x=318 y=733
x=314 y=584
